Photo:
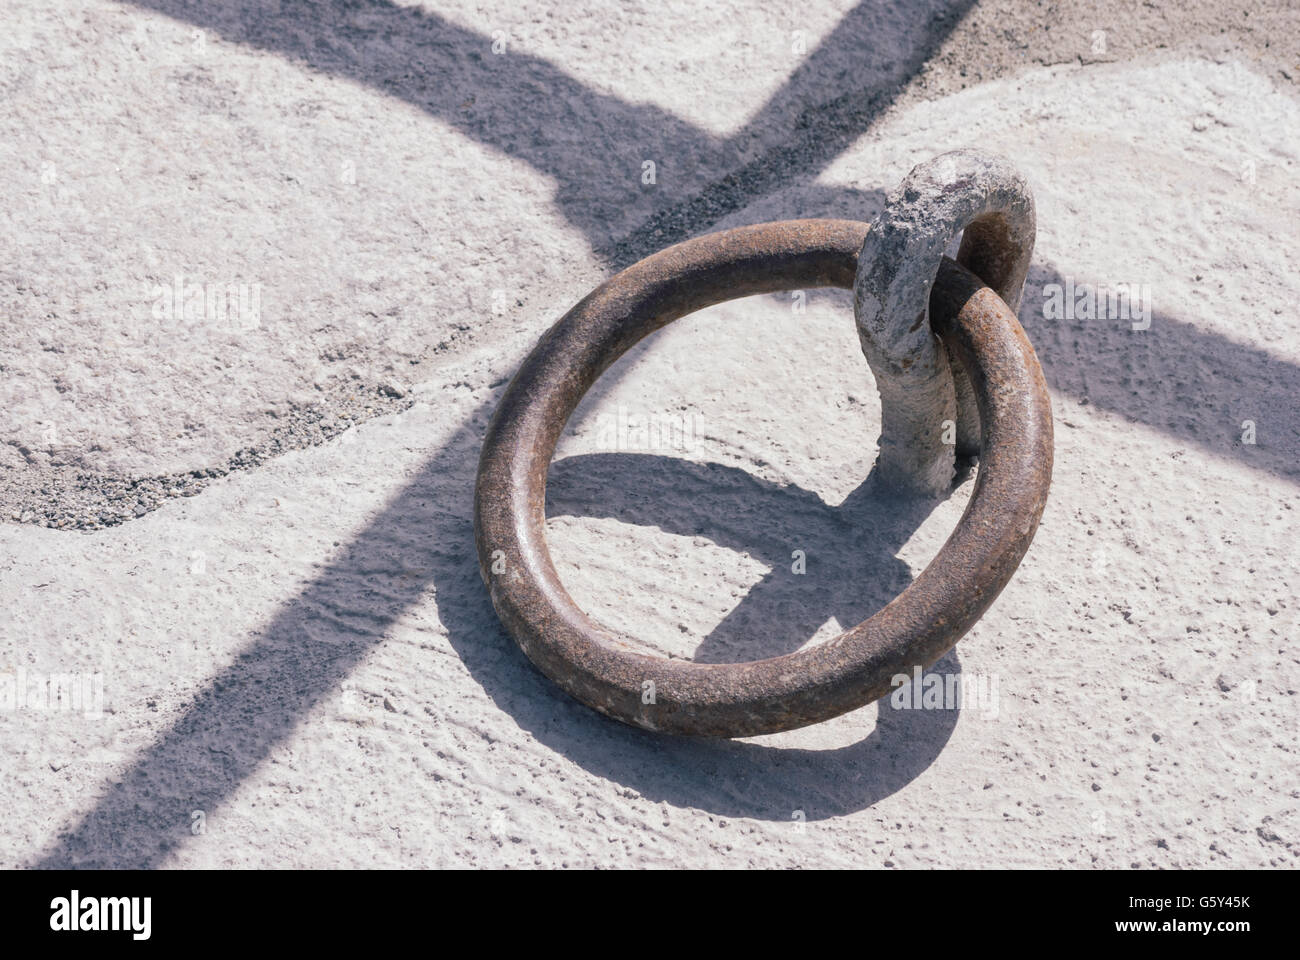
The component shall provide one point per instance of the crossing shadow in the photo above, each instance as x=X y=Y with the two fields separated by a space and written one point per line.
x=592 y=144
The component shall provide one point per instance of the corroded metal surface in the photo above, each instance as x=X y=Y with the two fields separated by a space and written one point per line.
x=606 y=670
x=984 y=195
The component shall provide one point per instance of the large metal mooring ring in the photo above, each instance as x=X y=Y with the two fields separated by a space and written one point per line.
x=605 y=670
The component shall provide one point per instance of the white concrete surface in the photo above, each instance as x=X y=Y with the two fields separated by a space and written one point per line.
x=300 y=659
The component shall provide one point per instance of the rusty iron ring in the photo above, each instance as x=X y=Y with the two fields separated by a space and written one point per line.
x=607 y=671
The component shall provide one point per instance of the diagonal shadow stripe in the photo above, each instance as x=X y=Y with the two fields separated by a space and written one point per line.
x=305 y=652
x=590 y=143
x=1194 y=385
x=1191 y=383
x=802 y=130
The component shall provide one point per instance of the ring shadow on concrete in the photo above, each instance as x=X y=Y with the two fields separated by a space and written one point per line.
x=255 y=703
x=850 y=549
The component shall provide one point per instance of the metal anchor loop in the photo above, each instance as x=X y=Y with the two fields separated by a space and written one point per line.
x=920 y=390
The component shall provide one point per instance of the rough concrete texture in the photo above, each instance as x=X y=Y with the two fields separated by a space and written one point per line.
x=301 y=659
